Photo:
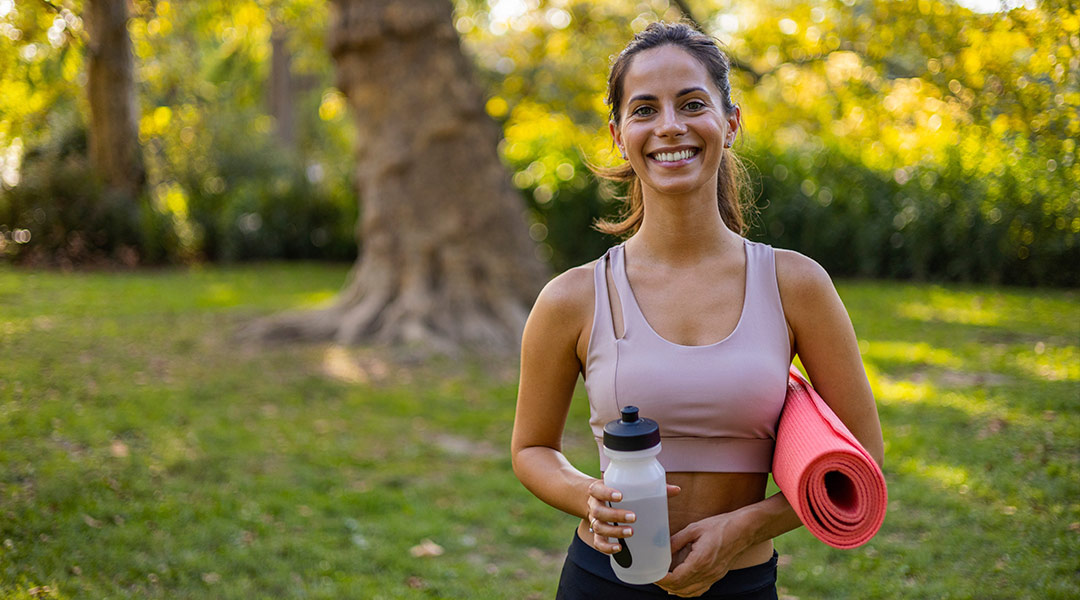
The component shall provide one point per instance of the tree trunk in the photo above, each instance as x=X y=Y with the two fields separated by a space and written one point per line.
x=445 y=259
x=282 y=88
x=114 y=128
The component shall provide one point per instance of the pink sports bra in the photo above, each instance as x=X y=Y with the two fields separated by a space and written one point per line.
x=717 y=405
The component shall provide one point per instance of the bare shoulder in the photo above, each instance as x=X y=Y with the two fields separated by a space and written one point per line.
x=804 y=284
x=567 y=300
x=799 y=275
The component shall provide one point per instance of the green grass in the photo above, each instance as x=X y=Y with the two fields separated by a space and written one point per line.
x=144 y=454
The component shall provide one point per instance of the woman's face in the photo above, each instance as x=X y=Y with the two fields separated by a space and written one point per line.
x=673 y=127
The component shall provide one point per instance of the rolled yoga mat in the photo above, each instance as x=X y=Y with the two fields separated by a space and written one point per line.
x=832 y=482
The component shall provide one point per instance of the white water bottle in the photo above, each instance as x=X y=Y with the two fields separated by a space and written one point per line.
x=632 y=444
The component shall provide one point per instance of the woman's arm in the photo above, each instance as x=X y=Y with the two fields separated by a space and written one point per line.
x=825 y=343
x=550 y=349
x=549 y=372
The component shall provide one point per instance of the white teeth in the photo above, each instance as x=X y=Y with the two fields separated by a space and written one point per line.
x=674 y=156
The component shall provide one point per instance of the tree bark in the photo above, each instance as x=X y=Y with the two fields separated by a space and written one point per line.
x=445 y=258
x=114 y=128
x=282 y=88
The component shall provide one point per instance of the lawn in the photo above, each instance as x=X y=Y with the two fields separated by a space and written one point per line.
x=146 y=454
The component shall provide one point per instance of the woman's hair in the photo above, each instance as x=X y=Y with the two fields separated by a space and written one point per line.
x=731 y=174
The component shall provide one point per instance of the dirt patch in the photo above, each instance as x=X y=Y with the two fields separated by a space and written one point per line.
x=461 y=446
x=952 y=378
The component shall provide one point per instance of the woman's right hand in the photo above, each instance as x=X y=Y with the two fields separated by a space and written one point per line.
x=602 y=518
x=606 y=522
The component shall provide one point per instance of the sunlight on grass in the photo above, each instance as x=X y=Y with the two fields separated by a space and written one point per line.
x=219 y=295
x=316 y=299
x=339 y=365
x=901 y=391
x=973 y=402
x=952 y=307
x=1052 y=363
x=917 y=353
x=945 y=476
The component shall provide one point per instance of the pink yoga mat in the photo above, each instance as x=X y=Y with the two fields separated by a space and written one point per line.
x=832 y=482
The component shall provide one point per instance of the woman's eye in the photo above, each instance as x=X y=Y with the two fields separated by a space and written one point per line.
x=695 y=105
x=643 y=111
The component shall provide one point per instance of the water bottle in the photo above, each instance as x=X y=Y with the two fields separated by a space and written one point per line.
x=632 y=444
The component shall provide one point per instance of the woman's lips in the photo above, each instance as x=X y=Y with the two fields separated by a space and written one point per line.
x=674 y=158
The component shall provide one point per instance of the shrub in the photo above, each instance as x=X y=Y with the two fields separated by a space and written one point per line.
x=61 y=214
x=924 y=222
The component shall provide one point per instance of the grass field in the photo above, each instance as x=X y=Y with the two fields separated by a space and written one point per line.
x=143 y=454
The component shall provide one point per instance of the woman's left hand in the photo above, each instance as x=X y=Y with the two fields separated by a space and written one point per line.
x=709 y=547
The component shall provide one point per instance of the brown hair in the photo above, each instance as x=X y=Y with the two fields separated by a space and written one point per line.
x=731 y=174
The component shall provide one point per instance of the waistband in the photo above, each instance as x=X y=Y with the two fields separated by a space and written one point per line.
x=737 y=581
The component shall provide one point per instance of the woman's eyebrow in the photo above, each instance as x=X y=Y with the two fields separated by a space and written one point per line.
x=651 y=98
x=691 y=90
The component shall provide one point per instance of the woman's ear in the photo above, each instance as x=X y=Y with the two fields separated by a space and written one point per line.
x=617 y=136
x=733 y=121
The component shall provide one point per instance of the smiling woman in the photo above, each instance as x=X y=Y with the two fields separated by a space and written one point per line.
x=706 y=99
x=694 y=325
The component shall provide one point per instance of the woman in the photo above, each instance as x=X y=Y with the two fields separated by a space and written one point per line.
x=693 y=324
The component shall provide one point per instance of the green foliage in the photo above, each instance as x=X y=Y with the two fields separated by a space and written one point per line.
x=949 y=156
x=263 y=206
x=62 y=215
x=146 y=456
x=213 y=159
x=915 y=139
x=919 y=224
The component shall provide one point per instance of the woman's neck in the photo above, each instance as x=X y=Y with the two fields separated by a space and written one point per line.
x=682 y=230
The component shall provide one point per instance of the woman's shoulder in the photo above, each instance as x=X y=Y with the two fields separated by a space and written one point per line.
x=802 y=281
x=568 y=294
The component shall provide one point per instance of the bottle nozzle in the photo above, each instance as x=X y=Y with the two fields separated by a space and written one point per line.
x=629 y=414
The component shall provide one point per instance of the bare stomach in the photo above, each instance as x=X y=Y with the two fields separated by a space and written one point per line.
x=705 y=495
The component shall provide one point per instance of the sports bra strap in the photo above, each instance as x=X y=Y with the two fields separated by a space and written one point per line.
x=632 y=314
x=603 y=322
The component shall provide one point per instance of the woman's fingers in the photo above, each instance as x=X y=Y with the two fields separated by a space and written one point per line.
x=601 y=511
x=608 y=524
x=602 y=492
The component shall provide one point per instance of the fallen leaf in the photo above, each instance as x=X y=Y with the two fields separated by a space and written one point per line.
x=425 y=549
x=211 y=578
x=119 y=449
x=416 y=583
x=91 y=521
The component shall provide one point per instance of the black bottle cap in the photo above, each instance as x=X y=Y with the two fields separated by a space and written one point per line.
x=631 y=432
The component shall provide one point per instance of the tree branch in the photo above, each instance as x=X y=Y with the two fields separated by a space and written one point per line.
x=81 y=35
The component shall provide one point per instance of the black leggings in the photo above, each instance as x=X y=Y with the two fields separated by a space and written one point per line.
x=587 y=575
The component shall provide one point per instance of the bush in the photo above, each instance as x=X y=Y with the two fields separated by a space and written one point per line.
x=61 y=214
x=252 y=201
x=1019 y=226
x=923 y=222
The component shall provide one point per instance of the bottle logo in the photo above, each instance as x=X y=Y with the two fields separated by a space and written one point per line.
x=623 y=557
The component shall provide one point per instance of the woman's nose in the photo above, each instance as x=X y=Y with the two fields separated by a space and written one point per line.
x=670 y=123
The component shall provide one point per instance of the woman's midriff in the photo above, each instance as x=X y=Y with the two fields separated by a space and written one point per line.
x=705 y=495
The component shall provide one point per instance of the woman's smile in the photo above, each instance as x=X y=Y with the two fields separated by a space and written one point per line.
x=674 y=158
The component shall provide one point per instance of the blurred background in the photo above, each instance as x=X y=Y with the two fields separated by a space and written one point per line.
x=931 y=140
x=172 y=169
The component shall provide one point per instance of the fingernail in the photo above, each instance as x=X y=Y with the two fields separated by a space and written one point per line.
x=627 y=531
x=617 y=548
x=631 y=517
x=616 y=496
